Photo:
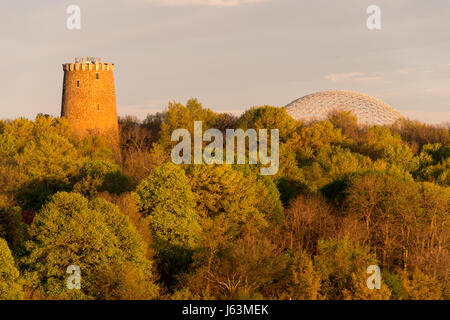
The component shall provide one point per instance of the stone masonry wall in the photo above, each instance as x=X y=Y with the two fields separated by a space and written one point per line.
x=89 y=99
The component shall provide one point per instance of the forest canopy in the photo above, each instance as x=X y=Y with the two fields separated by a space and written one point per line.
x=345 y=197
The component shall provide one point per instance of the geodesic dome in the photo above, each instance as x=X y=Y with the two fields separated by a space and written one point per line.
x=367 y=109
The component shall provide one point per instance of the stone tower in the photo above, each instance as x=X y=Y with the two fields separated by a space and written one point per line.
x=89 y=98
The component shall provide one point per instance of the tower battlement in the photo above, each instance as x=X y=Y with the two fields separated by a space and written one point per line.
x=89 y=98
x=83 y=66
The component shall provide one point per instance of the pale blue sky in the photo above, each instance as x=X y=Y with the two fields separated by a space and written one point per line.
x=230 y=54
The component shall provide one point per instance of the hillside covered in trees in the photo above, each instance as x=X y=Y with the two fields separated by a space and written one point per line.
x=140 y=227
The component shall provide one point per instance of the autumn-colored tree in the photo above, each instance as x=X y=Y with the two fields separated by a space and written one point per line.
x=346 y=121
x=139 y=164
x=429 y=250
x=10 y=281
x=420 y=286
x=417 y=134
x=308 y=219
x=225 y=121
x=314 y=138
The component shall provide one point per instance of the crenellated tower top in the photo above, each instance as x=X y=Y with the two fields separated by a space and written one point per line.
x=88 y=64
x=89 y=98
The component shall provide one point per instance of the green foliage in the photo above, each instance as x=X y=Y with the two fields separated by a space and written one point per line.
x=48 y=162
x=221 y=231
x=41 y=157
x=225 y=194
x=70 y=230
x=380 y=143
x=12 y=229
x=394 y=210
x=342 y=266
x=394 y=282
x=98 y=176
x=10 y=281
x=166 y=196
x=270 y=204
x=268 y=117
x=303 y=281
x=434 y=164
x=179 y=116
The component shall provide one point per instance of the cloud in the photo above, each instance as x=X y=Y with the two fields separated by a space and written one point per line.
x=350 y=76
x=211 y=3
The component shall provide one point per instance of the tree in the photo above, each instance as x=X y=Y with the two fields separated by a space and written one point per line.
x=45 y=166
x=99 y=175
x=12 y=229
x=346 y=121
x=10 y=281
x=303 y=281
x=248 y=269
x=380 y=143
x=308 y=219
x=388 y=205
x=342 y=266
x=95 y=236
x=314 y=138
x=127 y=205
x=417 y=134
x=268 y=117
x=183 y=117
x=41 y=157
x=139 y=164
x=434 y=164
x=420 y=286
x=167 y=198
x=225 y=121
x=221 y=191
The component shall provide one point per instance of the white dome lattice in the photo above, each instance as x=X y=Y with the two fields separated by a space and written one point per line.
x=367 y=109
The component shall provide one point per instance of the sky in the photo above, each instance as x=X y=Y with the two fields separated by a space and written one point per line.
x=230 y=54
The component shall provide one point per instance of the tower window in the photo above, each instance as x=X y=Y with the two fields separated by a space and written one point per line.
x=98 y=106
x=78 y=83
x=97 y=76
